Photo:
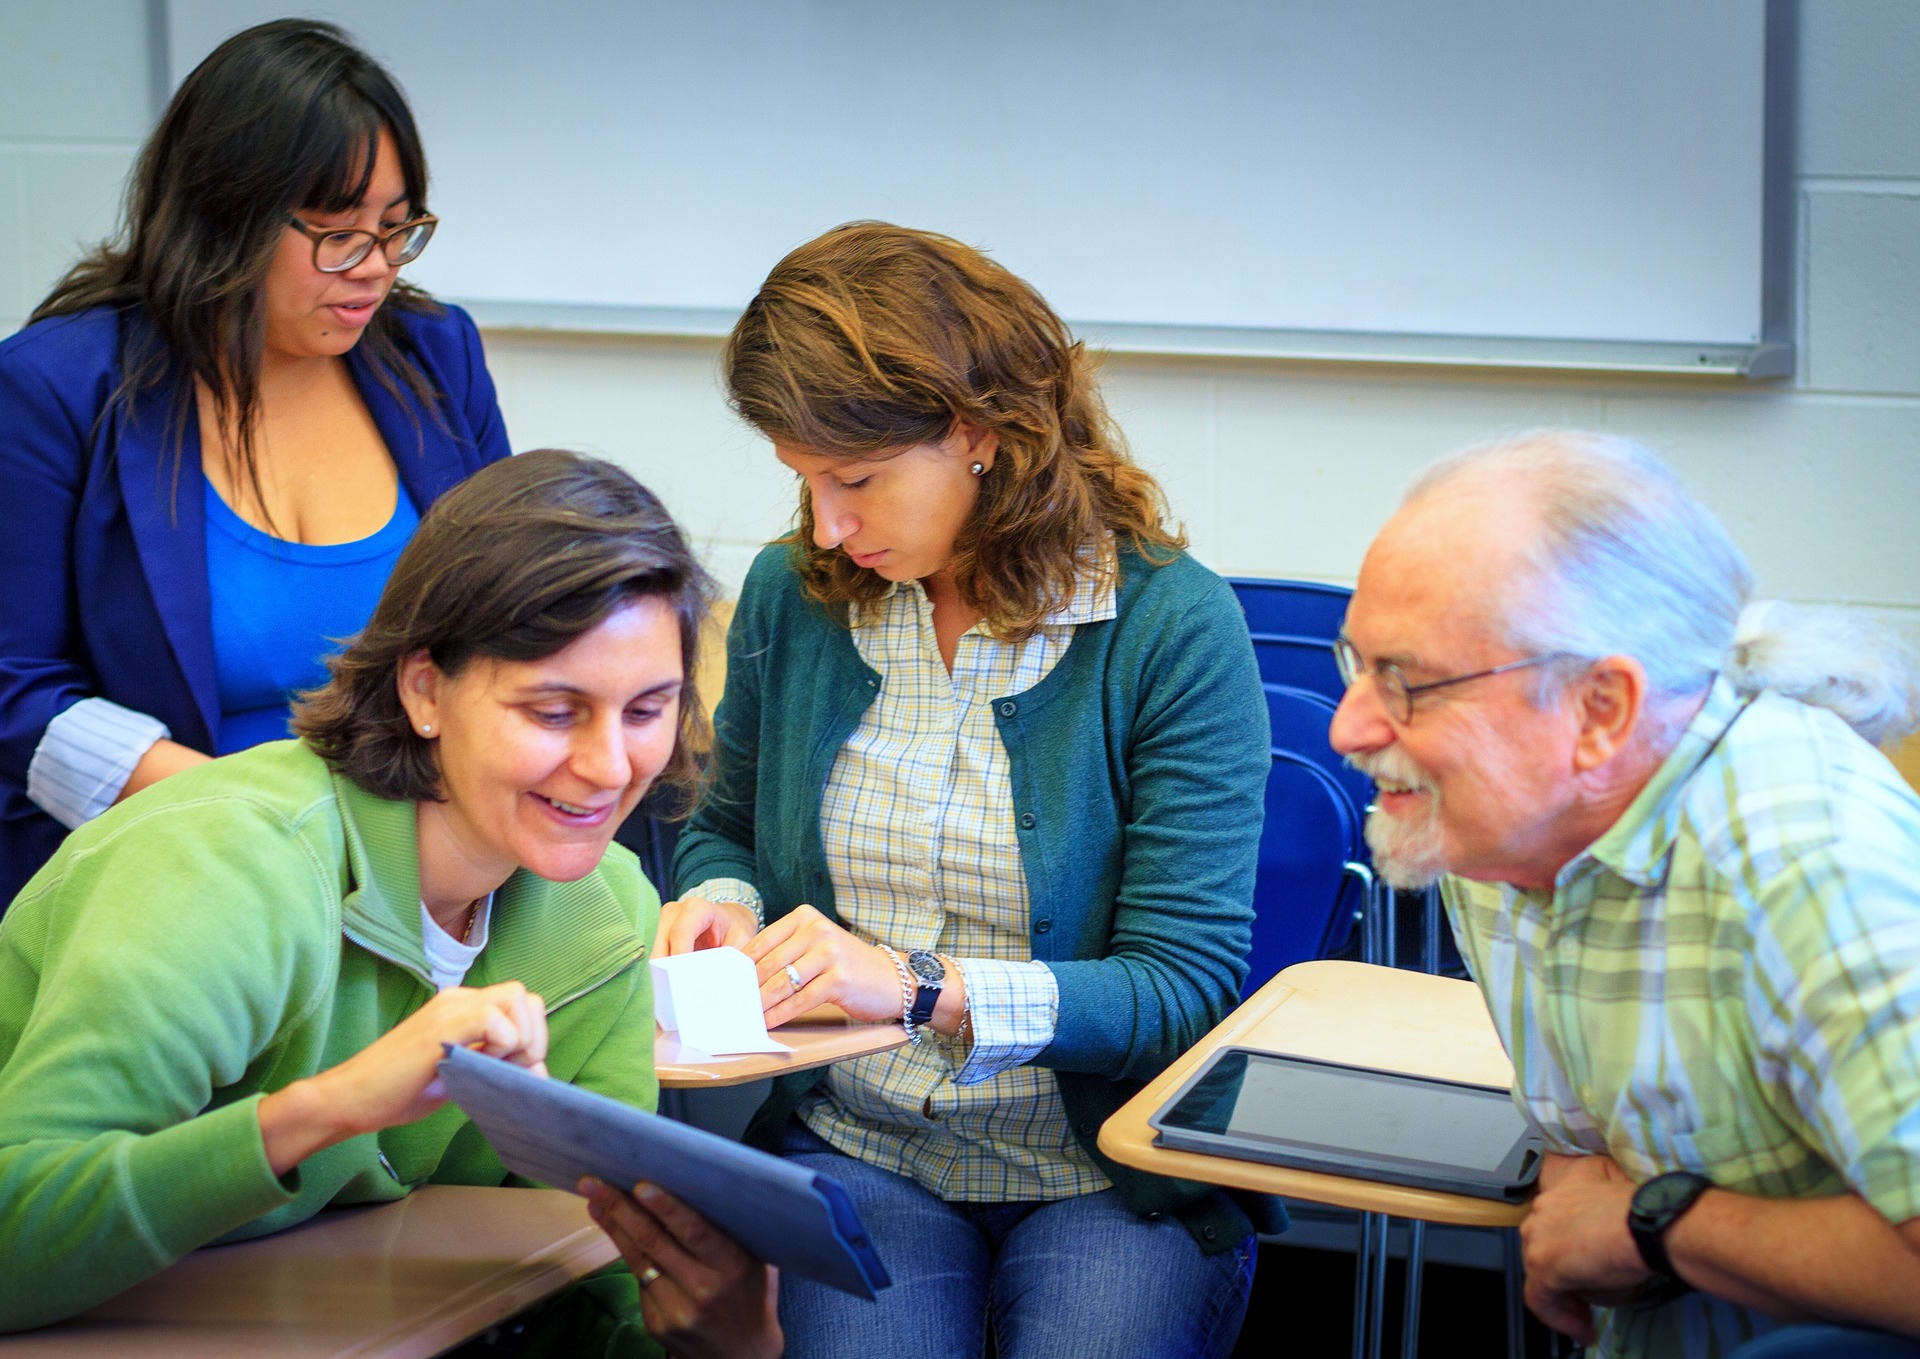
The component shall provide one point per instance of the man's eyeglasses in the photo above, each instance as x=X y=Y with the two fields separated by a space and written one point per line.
x=335 y=252
x=1396 y=693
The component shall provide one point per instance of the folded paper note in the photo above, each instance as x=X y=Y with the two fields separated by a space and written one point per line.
x=712 y=1000
x=557 y=1133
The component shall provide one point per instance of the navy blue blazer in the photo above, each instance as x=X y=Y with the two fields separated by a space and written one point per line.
x=103 y=564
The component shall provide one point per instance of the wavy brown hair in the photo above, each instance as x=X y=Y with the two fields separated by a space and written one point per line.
x=282 y=116
x=874 y=338
x=514 y=563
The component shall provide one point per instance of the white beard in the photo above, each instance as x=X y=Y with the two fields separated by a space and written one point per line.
x=1408 y=853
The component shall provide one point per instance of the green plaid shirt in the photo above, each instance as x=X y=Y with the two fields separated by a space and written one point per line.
x=1727 y=982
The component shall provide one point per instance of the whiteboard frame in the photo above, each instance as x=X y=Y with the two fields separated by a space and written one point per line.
x=1772 y=357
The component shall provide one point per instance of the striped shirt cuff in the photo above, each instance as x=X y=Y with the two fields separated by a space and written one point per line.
x=737 y=890
x=1015 y=1009
x=86 y=757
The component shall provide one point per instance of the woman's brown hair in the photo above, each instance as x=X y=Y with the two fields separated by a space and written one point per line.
x=874 y=338
x=514 y=563
x=283 y=116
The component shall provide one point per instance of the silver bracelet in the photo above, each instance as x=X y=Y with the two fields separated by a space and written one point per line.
x=907 y=989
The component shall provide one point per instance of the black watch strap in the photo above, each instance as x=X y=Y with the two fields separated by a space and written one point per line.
x=1656 y=1206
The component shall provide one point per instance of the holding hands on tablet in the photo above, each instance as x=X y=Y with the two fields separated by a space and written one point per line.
x=833 y=966
x=392 y=1080
x=699 y=1292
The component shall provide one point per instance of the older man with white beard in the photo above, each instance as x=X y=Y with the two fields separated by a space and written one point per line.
x=1690 y=892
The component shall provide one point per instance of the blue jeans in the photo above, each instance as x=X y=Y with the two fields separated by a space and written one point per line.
x=1828 y=1342
x=1062 y=1279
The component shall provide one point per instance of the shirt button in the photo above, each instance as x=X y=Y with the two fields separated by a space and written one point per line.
x=1009 y=708
x=1209 y=1232
x=1042 y=926
x=1026 y=821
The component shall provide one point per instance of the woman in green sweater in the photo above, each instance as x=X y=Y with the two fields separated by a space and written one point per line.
x=991 y=758
x=222 y=1003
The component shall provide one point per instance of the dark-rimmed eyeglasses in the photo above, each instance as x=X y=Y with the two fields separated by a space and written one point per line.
x=1396 y=694
x=335 y=252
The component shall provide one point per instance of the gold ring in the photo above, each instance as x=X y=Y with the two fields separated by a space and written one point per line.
x=793 y=977
x=648 y=1275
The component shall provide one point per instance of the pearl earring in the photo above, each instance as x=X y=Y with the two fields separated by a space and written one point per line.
x=426 y=728
x=978 y=468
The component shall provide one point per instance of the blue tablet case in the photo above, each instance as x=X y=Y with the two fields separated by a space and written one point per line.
x=556 y=1133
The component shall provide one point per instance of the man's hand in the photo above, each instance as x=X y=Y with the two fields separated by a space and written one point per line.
x=1575 y=1243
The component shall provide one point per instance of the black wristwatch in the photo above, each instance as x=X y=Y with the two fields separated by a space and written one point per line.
x=1656 y=1206
x=929 y=975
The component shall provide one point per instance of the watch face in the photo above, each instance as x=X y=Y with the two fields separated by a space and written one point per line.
x=1664 y=1193
x=926 y=966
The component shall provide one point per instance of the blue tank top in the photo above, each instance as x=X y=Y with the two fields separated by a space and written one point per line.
x=280 y=609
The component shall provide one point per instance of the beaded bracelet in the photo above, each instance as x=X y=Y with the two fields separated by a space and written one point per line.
x=907 y=989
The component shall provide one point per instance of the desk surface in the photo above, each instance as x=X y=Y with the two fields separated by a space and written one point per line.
x=397 y=1281
x=1379 y=1017
x=817 y=1038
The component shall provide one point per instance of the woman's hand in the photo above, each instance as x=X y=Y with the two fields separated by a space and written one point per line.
x=394 y=1079
x=834 y=968
x=700 y=1293
x=696 y=923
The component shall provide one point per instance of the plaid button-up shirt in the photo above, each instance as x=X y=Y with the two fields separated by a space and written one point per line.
x=918 y=825
x=1727 y=982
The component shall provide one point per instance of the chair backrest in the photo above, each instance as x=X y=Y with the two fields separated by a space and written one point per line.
x=1301 y=722
x=1304 y=896
x=1299 y=663
x=1294 y=623
x=1305 y=608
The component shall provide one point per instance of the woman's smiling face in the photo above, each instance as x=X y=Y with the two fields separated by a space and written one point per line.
x=310 y=314
x=540 y=761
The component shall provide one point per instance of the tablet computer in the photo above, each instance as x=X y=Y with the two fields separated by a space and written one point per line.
x=1357 y=1122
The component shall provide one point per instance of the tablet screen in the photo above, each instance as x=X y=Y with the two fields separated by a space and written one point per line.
x=1342 y=1109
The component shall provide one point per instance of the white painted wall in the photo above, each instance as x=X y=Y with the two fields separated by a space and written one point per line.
x=1277 y=469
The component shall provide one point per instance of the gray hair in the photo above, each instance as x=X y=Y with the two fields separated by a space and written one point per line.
x=1627 y=561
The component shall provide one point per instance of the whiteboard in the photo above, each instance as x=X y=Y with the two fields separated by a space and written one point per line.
x=1495 y=172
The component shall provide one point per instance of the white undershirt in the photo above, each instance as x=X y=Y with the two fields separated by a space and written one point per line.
x=447 y=958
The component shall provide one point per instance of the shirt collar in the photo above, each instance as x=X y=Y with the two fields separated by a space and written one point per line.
x=1095 y=597
x=1637 y=845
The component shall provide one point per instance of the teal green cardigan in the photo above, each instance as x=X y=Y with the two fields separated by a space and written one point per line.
x=1139 y=769
x=230 y=930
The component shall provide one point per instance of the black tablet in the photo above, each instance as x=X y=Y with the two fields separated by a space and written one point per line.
x=1349 y=1120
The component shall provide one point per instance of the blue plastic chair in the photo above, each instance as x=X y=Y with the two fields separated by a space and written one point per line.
x=1311 y=879
x=1293 y=624
x=1303 y=608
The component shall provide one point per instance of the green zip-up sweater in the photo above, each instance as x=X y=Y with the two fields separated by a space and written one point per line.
x=1139 y=768
x=235 y=928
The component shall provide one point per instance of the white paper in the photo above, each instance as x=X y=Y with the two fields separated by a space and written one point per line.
x=712 y=1000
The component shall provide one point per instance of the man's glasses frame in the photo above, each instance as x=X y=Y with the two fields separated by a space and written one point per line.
x=401 y=245
x=1398 y=695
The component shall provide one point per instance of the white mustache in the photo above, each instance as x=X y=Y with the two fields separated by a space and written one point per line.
x=1392 y=768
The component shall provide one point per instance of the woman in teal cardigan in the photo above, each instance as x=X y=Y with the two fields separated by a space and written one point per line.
x=222 y=1002
x=990 y=759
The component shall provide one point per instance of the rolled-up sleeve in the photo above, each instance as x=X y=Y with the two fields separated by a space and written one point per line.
x=1014 y=1008
x=86 y=757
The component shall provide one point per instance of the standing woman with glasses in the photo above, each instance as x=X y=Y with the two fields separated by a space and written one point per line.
x=218 y=432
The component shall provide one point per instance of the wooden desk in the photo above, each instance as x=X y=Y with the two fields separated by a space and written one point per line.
x=396 y=1281
x=817 y=1038
x=1342 y=1012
